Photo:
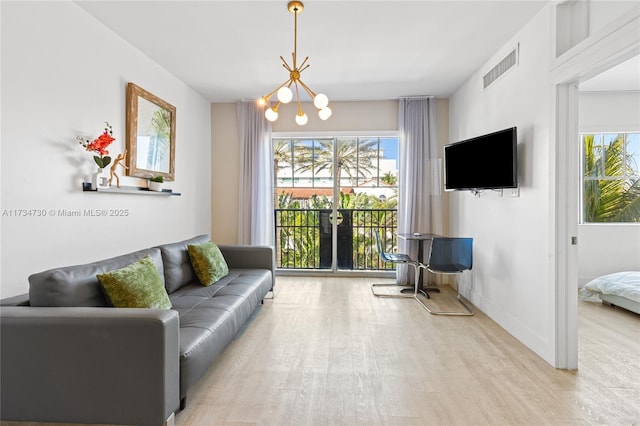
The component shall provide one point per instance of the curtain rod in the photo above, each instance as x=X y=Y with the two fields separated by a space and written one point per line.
x=417 y=97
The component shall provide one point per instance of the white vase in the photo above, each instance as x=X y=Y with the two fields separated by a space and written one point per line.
x=98 y=179
x=156 y=186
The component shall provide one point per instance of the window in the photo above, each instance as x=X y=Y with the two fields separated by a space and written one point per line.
x=331 y=194
x=611 y=177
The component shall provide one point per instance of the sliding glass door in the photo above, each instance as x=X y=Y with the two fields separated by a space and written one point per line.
x=330 y=194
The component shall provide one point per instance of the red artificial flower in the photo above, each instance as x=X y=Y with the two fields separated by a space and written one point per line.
x=99 y=146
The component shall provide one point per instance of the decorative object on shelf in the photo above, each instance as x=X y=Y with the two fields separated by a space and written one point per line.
x=151 y=130
x=99 y=180
x=156 y=183
x=284 y=93
x=99 y=146
x=117 y=162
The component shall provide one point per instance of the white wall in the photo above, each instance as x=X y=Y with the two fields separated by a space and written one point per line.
x=510 y=281
x=608 y=248
x=347 y=117
x=517 y=247
x=63 y=75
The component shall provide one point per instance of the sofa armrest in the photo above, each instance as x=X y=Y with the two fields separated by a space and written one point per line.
x=89 y=365
x=245 y=256
x=19 y=300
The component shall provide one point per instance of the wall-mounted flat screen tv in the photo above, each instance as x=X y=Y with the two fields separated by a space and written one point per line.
x=485 y=162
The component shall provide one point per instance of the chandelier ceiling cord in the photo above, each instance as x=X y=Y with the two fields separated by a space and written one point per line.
x=284 y=93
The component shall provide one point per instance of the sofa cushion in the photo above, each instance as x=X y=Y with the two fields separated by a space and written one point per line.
x=177 y=266
x=78 y=285
x=208 y=262
x=211 y=316
x=135 y=286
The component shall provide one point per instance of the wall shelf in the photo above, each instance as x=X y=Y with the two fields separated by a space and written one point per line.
x=86 y=187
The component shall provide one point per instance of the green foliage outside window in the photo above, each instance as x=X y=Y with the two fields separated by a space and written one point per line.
x=298 y=230
x=611 y=191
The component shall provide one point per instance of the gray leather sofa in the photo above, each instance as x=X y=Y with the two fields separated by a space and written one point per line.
x=67 y=356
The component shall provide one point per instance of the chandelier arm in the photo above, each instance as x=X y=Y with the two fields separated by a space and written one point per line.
x=298 y=96
x=307 y=89
x=285 y=64
x=267 y=97
x=302 y=67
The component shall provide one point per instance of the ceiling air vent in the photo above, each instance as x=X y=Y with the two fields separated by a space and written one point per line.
x=503 y=66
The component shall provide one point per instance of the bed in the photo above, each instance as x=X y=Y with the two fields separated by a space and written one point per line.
x=619 y=289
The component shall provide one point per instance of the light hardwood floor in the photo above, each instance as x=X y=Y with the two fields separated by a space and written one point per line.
x=324 y=351
x=327 y=352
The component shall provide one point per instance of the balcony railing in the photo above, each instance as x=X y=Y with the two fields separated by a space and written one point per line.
x=304 y=238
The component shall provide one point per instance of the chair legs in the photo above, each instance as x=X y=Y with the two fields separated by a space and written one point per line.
x=393 y=296
x=416 y=292
x=402 y=294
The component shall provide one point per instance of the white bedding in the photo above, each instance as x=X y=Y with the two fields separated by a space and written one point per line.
x=624 y=284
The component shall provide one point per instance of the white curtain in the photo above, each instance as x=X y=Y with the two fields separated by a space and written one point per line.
x=419 y=183
x=255 y=206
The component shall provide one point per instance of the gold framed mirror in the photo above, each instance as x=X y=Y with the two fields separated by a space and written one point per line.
x=151 y=129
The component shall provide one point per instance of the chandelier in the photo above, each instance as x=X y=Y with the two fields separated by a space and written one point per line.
x=284 y=92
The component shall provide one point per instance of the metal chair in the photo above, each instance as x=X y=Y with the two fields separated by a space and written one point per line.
x=397 y=258
x=450 y=256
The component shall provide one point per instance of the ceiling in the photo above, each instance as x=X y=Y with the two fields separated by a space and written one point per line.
x=358 y=50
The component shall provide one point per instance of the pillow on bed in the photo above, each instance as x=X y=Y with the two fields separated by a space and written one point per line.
x=624 y=284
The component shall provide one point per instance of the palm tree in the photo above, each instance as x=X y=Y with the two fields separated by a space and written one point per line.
x=355 y=160
x=390 y=179
x=281 y=157
x=609 y=200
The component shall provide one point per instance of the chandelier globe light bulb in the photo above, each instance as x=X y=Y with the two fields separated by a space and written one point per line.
x=321 y=100
x=285 y=95
x=302 y=118
x=271 y=114
x=324 y=113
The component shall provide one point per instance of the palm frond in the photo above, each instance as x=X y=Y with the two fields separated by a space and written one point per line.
x=607 y=195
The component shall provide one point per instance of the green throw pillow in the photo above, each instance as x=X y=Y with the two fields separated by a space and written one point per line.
x=208 y=262
x=135 y=286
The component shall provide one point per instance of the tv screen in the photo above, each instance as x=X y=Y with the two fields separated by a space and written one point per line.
x=484 y=162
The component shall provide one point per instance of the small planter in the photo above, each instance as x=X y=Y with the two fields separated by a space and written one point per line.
x=156 y=186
